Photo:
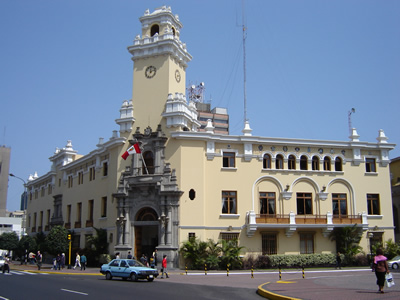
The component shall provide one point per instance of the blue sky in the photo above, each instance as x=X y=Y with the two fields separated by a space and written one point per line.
x=65 y=70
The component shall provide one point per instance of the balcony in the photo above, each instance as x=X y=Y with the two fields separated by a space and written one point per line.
x=78 y=224
x=89 y=223
x=272 y=219
x=348 y=219
x=67 y=225
x=291 y=222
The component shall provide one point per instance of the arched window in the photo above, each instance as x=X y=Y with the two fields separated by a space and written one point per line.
x=267 y=161
x=279 y=162
x=149 y=161
x=303 y=162
x=338 y=164
x=173 y=31
x=327 y=163
x=146 y=214
x=155 y=29
x=292 y=162
x=315 y=163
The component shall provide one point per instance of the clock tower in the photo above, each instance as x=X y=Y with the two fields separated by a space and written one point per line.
x=160 y=60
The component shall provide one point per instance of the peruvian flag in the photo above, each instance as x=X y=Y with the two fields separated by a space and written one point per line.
x=131 y=150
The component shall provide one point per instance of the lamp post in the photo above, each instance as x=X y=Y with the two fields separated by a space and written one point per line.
x=24 y=206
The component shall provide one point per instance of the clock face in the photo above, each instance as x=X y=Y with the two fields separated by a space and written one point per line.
x=150 y=72
x=177 y=76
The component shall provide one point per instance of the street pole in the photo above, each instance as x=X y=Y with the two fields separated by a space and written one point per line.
x=25 y=203
x=69 y=256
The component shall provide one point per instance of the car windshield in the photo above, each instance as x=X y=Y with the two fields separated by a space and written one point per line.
x=1 y=257
x=396 y=258
x=135 y=263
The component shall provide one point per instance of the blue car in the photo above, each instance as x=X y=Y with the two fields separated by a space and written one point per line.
x=128 y=268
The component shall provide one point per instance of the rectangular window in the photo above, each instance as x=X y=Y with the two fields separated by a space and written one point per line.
x=105 y=169
x=228 y=159
x=48 y=217
x=42 y=192
x=79 y=212
x=49 y=189
x=70 y=181
x=229 y=202
x=267 y=203
x=192 y=235
x=306 y=243
x=92 y=174
x=90 y=210
x=373 y=204
x=80 y=178
x=370 y=165
x=103 y=207
x=339 y=205
x=68 y=213
x=230 y=236
x=304 y=203
x=269 y=243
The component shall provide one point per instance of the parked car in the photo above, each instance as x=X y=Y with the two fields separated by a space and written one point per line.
x=1 y=262
x=394 y=263
x=128 y=268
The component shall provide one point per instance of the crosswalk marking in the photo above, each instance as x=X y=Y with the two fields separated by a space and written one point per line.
x=19 y=273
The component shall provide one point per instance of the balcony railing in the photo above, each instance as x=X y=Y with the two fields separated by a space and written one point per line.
x=311 y=219
x=78 y=224
x=346 y=219
x=67 y=225
x=272 y=219
x=89 y=223
x=291 y=222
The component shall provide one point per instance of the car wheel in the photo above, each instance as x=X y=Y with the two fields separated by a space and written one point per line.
x=133 y=277
x=108 y=276
x=150 y=279
x=395 y=266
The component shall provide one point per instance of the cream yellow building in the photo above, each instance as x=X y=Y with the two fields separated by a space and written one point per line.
x=275 y=195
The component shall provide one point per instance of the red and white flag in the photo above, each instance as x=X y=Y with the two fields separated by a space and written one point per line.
x=131 y=150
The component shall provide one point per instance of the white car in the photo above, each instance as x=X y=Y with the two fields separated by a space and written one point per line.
x=1 y=262
x=394 y=263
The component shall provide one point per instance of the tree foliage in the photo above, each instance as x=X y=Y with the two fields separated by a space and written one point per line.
x=57 y=240
x=198 y=253
x=26 y=243
x=99 y=241
x=9 y=241
x=347 y=241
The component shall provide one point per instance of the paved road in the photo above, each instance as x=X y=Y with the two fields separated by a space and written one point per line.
x=318 y=284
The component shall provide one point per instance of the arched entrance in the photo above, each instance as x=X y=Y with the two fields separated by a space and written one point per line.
x=146 y=232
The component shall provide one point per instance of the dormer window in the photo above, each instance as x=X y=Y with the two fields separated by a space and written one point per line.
x=155 y=29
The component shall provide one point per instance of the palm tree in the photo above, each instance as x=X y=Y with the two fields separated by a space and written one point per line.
x=347 y=240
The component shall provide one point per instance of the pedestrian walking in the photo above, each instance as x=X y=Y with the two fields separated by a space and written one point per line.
x=6 y=266
x=39 y=259
x=62 y=261
x=77 y=261
x=155 y=257
x=164 y=267
x=338 y=261
x=381 y=269
x=58 y=261
x=83 y=262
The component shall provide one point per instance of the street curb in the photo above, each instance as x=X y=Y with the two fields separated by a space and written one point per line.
x=270 y=295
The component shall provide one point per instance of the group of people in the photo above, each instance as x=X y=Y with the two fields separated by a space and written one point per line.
x=80 y=261
x=59 y=262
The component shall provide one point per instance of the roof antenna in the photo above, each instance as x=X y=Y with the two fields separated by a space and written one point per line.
x=244 y=65
x=352 y=111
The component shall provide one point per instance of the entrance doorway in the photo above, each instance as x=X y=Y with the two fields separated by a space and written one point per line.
x=146 y=232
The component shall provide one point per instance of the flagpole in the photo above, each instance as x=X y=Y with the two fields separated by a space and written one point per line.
x=141 y=155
